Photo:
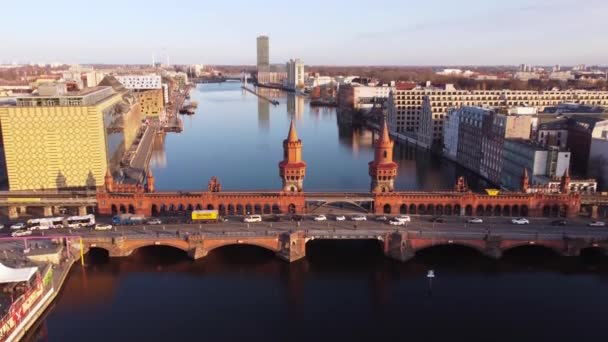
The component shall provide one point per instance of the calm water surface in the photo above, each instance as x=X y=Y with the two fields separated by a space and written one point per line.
x=342 y=290
x=238 y=137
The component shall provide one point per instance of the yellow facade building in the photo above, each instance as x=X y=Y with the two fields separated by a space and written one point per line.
x=151 y=102
x=58 y=140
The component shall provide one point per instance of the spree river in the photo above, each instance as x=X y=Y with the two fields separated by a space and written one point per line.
x=342 y=290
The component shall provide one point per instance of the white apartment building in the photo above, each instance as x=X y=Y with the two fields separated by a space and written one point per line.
x=140 y=82
x=407 y=115
x=365 y=97
x=450 y=134
x=295 y=74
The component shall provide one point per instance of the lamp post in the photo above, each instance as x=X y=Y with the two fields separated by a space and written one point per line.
x=430 y=275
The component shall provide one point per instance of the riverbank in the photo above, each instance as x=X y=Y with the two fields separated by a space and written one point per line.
x=60 y=274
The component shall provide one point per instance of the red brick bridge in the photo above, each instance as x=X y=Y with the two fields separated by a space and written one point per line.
x=291 y=246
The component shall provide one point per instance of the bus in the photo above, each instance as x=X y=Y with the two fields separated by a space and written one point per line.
x=81 y=221
x=45 y=223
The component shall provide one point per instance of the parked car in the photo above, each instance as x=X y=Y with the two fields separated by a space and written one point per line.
x=475 y=220
x=1 y=226
x=154 y=221
x=340 y=218
x=559 y=223
x=273 y=218
x=438 y=219
x=101 y=226
x=403 y=218
x=381 y=218
x=252 y=218
x=597 y=224
x=520 y=220
x=320 y=218
x=359 y=218
x=41 y=227
x=394 y=222
x=19 y=225
x=21 y=233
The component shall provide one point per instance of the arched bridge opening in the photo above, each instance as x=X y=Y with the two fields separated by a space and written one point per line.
x=159 y=254
x=344 y=253
x=235 y=255
x=97 y=255
x=526 y=253
x=452 y=254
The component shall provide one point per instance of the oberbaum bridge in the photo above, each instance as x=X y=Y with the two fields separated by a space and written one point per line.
x=400 y=244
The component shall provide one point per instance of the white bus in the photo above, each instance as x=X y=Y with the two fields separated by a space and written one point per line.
x=45 y=223
x=81 y=221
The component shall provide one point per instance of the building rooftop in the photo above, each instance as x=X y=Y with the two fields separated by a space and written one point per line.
x=536 y=146
x=85 y=97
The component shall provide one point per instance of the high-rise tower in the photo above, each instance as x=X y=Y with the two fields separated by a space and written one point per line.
x=292 y=168
x=263 y=52
x=383 y=169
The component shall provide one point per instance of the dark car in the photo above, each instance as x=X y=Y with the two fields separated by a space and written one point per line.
x=438 y=220
x=273 y=218
x=559 y=223
x=296 y=218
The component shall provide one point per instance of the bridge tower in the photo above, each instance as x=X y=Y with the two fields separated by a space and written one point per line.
x=109 y=181
x=525 y=181
x=292 y=168
x=383 y=169
x=564 y=185
x=149 y=181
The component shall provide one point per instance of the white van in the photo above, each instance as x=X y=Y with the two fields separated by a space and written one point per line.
x=252 y=218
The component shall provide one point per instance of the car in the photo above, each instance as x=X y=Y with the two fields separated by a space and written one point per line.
x=559 y=223
x=597 y=224
x=252 y=218
x=38 y=228
x=101 y=226
x=340 y=218
x=359 y=218
x=320 y=218
x=273 y=218
x=520 y=220
x=475 y=220
x=1 y=226
x=154 y=221
x=21 y=233
x=19 y=225
x=381 y=218
x=403 y=218
x=438 y=220
x=394 y=222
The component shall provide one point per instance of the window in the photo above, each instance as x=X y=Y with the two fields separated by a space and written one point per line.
x=385 y=154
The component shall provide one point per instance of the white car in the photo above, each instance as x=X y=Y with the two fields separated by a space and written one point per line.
x=100 y=226
x=396 y=222
x=252 y=218
x=340 y=218
x=520 y=220
x=359 y=218
x=597 y=224
x=19 y=225
x=403 y=218
x=475 y=220
x=21 y=233
x=320 y=218
x=154 y=221
x=1 y=226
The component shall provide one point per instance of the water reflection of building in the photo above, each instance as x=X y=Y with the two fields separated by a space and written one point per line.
x=358 y=139
x=159 y=156
x=263 y=114
x=295 y=106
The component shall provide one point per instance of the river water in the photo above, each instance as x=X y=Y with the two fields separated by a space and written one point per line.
x=342 y=290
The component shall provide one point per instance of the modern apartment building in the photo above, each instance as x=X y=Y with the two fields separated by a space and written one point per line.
x=58 y=139
x=295 y=74
x=140 y=82
x=361 y=97
x=408 y=116
x=542 y=163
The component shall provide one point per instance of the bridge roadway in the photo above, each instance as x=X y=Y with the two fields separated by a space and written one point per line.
x=288 y=239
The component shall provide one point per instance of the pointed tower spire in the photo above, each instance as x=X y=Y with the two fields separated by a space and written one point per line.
x=293 y=135
x=565 y=183
x=150 y=181
x=385 y=137
x=525 y=181
x=109 y=181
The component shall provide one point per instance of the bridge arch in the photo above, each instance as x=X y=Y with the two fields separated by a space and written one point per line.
x=531 y=245
x=114 y=209
x=276 y=209
x=257 y=209
x=413 y=209
x=421 y=209
x=461 y=244
x=248 y=209
x=515 y=210
x=222 y=209
x=273 y=248
x=457 y=209
x=448 y=210
x=123 y=209
x=239 y=209
x=291 y=208
x=154 y=210
x=439 y=209
x=479 y=211
x=210 y=207
x=231 y=210
x=267 y=209
x=468 y=211
x=497 y=210
x=506 y=210
x=387 y=208
x=181 y=245
x=430 y=209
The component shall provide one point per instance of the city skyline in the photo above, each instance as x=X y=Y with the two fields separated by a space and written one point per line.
x=471 y=32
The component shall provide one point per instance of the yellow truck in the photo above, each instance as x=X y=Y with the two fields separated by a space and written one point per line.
x=199 y=216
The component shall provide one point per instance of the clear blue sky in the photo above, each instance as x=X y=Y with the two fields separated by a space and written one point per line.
x=337 y=32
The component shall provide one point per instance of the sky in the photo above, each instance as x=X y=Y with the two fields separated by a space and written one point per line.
x=321 y=32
